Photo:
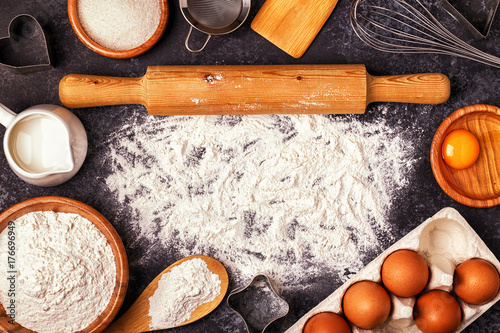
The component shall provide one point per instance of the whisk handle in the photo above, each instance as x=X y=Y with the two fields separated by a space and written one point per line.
x=425 y=88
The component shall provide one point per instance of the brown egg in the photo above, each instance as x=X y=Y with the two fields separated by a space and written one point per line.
x=326 y=322
x=405 y=273
x=366 y=304
x=476 y=281
x=437 y=312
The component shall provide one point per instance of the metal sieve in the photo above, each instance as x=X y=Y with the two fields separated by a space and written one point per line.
x=213 y=17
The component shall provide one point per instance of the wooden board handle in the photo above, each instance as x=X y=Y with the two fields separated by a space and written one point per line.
x=81 y=91
x=427 y=88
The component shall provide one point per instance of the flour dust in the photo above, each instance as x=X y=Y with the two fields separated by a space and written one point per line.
x=289 y=196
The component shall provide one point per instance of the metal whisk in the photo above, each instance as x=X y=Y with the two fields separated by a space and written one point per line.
x=396 y=26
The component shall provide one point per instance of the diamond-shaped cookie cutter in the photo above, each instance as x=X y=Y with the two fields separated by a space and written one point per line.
x=24 y=31
x=258 y=304
x=490 y=6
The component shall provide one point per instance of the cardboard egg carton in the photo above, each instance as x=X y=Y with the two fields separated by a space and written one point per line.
x=444 y=241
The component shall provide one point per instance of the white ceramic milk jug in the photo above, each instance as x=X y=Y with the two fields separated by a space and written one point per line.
x=45 y=145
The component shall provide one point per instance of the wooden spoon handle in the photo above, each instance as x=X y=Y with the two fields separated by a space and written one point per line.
x=125 y=326
x=425 y=88
x=136 y=319
x=117 y=328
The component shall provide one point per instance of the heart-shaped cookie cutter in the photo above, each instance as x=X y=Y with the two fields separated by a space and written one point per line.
x=21 y=51
x=258 y=304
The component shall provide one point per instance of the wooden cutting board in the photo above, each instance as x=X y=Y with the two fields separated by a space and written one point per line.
x=292 y=25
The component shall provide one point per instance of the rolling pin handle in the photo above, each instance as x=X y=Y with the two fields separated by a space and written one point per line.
x=77 y=91
x=426 y=88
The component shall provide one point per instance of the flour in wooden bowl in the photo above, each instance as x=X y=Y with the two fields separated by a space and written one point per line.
x=66 y=271
x=290 y=196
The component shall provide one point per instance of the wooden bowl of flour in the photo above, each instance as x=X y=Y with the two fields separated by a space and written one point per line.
x=65 y=205
x=104 y=28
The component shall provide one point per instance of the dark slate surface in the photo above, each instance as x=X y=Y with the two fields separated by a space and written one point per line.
x=336 y=44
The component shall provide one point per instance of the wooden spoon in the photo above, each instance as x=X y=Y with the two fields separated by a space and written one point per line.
x=137 y=318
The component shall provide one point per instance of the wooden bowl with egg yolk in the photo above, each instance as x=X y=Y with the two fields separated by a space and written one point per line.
x=65 y=205
x=479 y=184
x=117 y=54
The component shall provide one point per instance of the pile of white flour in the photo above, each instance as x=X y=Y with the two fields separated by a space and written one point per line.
x=181 y=291
x=66 y=271
x=290 y=196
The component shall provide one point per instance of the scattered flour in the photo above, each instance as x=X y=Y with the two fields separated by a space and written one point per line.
x=289 y=196
x=181 y=291
x=66 y=272
x=119 y=24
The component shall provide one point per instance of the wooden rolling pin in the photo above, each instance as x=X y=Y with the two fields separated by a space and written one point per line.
x=253 y=89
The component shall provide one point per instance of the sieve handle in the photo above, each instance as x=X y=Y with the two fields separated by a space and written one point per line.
x=187 y=42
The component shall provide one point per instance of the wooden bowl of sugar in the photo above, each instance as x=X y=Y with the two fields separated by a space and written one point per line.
x=119 y=29
x=478 y=185
x=92 y=243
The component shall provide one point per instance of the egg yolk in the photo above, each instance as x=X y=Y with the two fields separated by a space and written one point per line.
x=460 y=149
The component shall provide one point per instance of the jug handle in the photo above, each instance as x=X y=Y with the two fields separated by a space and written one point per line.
x=187 y=42
x=6 y=115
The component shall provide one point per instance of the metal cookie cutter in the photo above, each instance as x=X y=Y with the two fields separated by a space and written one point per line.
x=475 y=15
x=258 y=304
x=26 y=49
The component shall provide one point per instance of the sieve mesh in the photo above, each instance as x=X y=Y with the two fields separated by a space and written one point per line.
x=215 y=14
